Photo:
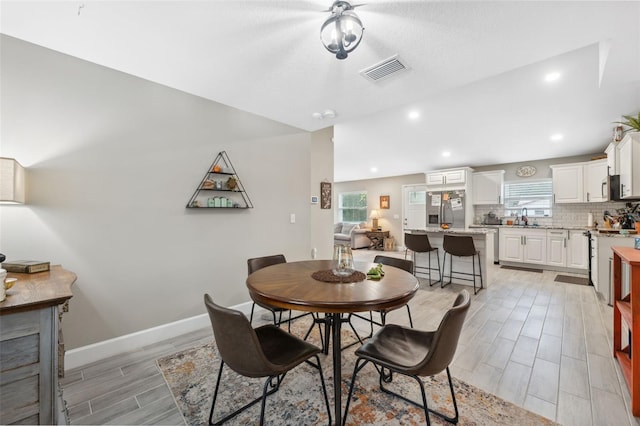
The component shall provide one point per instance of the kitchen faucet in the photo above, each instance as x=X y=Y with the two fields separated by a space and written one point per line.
x=525 y=212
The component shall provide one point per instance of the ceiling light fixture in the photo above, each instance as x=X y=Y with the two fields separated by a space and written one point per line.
x=557 y=137
x=552 y=76
x=414 y=115
x=328 y=113
x=374 y=169
x=342 y=32
x=446 y=154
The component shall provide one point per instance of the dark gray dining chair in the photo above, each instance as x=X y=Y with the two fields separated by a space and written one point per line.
x=257 y=263
x=415 y=354
x=267 y=351
x=406 y=265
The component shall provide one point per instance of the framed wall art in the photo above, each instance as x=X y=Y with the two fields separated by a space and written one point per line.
x=325 y=195
x=384 y=201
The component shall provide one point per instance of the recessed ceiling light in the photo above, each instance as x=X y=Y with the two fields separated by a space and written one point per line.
x=557 y=137
x=374 y=169
x=552 y=76
x=446 y=154
x=414 y=115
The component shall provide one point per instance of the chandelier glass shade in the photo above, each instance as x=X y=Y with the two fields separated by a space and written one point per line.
x=342 y=32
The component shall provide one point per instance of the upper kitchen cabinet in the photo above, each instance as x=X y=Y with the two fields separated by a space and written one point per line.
x=568 y=183
x=450 y=177
x=613 y=159
x=488 y=187
x=629 y=153
x=579 y=182
x=595 y=173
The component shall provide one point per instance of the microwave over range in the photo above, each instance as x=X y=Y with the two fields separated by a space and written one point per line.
x=611 y=190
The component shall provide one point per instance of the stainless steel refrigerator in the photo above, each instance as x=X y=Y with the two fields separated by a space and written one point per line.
x=446 y=207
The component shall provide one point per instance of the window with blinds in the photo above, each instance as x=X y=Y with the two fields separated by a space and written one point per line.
x=536 y=196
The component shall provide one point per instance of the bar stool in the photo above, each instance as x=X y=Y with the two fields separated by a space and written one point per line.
x=461 y=246
x=419 y=243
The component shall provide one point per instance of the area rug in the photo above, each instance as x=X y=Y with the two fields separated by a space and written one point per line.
x=520 y=268
x=572 y=280
x=191 y=375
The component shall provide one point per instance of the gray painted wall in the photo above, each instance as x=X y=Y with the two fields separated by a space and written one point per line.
x=111 y=162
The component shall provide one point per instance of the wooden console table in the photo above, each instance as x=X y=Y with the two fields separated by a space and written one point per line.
x=377 y=239
x=627 y=309
x=29 y=331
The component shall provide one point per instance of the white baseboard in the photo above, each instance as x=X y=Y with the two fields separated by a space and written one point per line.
x=84 y=355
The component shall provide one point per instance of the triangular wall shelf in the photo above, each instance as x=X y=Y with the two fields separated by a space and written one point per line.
x=220 y=188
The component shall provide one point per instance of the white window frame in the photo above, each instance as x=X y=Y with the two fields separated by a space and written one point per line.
x=341 y=209
x=538 y=198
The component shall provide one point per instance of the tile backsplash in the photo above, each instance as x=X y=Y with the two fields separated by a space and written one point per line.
x=563 y=214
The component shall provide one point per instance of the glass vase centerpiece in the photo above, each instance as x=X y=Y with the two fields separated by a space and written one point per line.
x=342 y=263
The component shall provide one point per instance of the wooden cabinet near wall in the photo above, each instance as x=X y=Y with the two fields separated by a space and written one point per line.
x=29 y=330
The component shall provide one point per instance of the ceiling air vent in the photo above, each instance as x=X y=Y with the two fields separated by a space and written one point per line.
x=384 y=69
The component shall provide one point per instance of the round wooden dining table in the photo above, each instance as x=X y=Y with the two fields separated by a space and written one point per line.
x=291 y=286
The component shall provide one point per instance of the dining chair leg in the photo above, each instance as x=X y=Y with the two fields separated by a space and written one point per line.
x=318 y=367
x=409 y=313
x=268 y=383
x=356 y=369
x=430 y=282
x=253 y=306
x=480 y=270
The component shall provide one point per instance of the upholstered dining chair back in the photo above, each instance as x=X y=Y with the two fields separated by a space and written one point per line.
x=237 y=341
x=407 y=265
x=445 y=340
x=262 y=262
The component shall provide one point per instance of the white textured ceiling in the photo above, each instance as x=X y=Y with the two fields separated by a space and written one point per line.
x=476 y=70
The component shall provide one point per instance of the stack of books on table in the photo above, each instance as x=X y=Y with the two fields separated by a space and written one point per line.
x=25 y=266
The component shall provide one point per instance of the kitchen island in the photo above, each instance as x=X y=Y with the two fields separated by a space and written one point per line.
x=483 y=241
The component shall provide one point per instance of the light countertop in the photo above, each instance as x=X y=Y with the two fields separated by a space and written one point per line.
x=462 y=231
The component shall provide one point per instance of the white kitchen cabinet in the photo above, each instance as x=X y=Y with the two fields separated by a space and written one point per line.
x=488 y=187
x=603 y=245
x=568 y=183
x=557 y=247
x=577 y=249
x=523 y=245
x=510 y=247
x=535 y=246
x=613 y=159
x=595 y=173
x=448 y=177
x=567 y=248
x=579 y=182
x=629 y=150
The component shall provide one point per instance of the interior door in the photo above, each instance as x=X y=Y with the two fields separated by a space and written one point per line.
x=414 y=207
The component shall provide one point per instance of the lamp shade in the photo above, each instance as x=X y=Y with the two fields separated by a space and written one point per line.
x=374 y=214
x=12 y=185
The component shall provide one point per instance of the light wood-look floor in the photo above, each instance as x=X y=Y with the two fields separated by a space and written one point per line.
x=540 y=344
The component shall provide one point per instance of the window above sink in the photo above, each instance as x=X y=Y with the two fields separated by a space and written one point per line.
x=534 y=195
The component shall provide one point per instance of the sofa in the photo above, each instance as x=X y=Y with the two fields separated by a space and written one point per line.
x=352 y=234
